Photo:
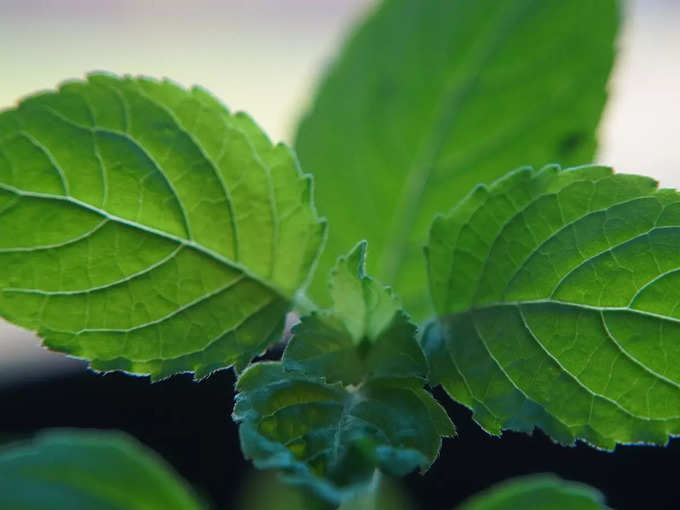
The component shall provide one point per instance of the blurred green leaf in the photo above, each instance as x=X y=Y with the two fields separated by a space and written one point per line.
x=558 y=297
x=88 y=470
x=147 y=229
x=428 y=99
x=542 y=492
x=265 y=491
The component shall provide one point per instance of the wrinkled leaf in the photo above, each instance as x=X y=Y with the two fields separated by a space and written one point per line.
x=145 y=228
x=537 y=493
x=558 y=298
x=347 y=398
x=329 y=438
x=88 y=470
x=429 y=99
x=364 y=336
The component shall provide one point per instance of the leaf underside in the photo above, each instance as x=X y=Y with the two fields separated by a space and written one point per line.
x=542 y=492
x=145 y=228
x=89 y=471
x=558 y=299
x=348 y=397
x=403 y=127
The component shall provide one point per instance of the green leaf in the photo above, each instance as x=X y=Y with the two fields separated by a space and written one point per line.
x=428 y=99
x=543 y=492
x=89 y=470
x=329 y=438
x=365 y=335
x=347 y=398
x=364 y=305
x=558 y=298
x=145 y=228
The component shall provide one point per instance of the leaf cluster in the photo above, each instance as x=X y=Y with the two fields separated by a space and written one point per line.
x=146 y=228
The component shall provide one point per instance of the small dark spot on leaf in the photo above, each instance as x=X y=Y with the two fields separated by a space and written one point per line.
x=569 y=143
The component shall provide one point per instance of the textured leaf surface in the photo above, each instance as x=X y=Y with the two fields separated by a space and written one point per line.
x=537 y=493
x=558 y=293
x=365 y=336
x=145 y=228
x=348 y=397
x=429 y=99
x=329 y=438
x=88 y=471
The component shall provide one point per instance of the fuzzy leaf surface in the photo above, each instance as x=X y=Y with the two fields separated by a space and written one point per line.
x=558 y=299
x=145 y=228
x=348 y=397
x=428 y=99
x=541 y=492
x=89 y=471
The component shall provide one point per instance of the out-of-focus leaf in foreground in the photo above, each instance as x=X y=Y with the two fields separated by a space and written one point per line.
x=428 y=99
x=265 y=491
x=557 y=297
x=145 y=228
x=85 y=470
x=347 y=399
x=541 y=492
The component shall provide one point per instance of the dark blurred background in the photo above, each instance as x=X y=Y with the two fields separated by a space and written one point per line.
x=188 y=424
x=264 y=56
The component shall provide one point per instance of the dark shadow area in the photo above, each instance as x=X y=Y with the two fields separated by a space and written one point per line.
x=188 y=424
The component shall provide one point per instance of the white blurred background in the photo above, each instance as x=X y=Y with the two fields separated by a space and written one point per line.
x=263 y=56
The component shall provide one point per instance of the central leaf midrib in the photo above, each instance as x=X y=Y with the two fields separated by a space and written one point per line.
x=421 y=168
x=574 y=304
x=151 y=230
x=218 y=174
x=347 y=407
x=181 y=128
x=128 y=137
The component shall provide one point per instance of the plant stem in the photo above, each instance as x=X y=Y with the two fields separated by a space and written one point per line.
x=370 y=499
x=303 y=305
